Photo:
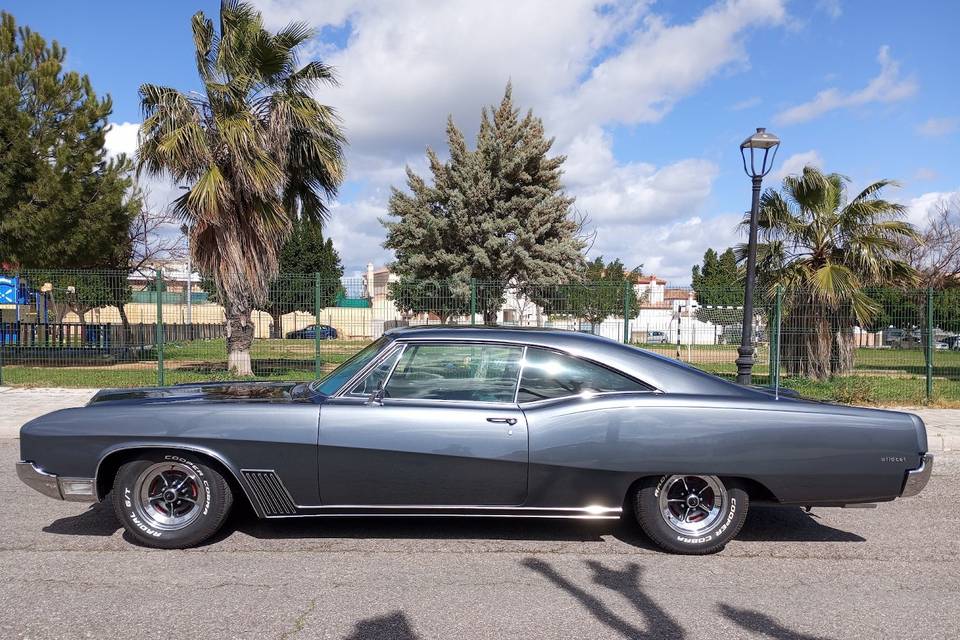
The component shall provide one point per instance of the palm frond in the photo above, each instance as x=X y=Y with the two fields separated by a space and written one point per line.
x=255 y=148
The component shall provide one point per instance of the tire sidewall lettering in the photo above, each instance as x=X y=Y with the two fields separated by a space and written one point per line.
x=199 y=472
x=731 y=514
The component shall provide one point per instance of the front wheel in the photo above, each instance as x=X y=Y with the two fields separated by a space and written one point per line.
x=691 y=514
x=170 y=500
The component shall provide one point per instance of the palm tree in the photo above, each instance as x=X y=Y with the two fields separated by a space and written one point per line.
x=255 y=149
x=824 y=250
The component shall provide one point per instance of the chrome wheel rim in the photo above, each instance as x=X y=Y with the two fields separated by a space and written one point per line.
x=170 y=495
x=692 y=505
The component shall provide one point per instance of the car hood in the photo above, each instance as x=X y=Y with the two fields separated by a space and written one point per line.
x=206 y=392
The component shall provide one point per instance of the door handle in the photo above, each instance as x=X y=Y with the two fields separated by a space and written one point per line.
x=510 y=421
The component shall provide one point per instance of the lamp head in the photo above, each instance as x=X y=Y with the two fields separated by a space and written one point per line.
x=763 y=141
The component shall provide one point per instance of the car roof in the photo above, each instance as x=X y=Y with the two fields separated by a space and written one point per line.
x=664 y=373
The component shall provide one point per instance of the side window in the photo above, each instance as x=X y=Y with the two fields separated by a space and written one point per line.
x=377 y=377
x=552 y=375
x=478 y=372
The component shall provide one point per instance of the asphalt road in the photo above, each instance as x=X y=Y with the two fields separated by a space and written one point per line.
x=66 y=571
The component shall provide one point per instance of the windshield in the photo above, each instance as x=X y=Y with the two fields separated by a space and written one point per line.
x=339 y=376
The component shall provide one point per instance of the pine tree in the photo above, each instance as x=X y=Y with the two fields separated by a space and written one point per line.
x=64 y=204
x=717 y=281
x=304 y=255
x=497 y=214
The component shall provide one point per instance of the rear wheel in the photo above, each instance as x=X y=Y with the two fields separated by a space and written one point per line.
x=691 y=514
x=170 y=500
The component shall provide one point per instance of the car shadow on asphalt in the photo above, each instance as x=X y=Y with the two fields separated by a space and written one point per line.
x=764 y=524
x=97 y=520
x=790 y=524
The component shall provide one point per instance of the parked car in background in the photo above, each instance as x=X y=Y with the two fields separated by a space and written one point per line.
x=732 y=334
x=310 y=332
x=656 y=337
x=953 y=342
x=892 y=336
x=473 y=421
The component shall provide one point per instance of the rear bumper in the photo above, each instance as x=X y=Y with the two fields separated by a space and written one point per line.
x=72 y=489
x=917 y=478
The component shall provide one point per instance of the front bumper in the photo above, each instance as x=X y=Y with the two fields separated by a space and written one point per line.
x=918 y=478
x=72 y=489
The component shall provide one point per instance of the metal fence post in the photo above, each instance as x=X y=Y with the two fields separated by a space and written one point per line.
x=317 y=293
x=775 y=339
x=159 y=338
x=473 y=301
x=627 y=290
x=930 y=343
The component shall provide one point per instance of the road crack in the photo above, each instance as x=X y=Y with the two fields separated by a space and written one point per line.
x=300 y=621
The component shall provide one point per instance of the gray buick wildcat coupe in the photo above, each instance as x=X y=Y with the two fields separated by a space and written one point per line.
x=474 y=421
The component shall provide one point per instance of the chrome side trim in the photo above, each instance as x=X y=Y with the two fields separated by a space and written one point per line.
x=592 y=510
x=364 y=514
x=52 y=486
x=347 y=510
x=918 y=478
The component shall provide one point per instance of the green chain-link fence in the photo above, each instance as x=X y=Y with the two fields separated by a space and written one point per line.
x=110 y=328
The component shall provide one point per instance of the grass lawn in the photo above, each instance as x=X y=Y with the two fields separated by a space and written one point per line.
x=883 y=376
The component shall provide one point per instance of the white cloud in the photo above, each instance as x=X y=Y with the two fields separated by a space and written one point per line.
x=640 y=193
x=670 y=249
x=406 y=65
x=919 y=208
x=580 y=64
x=794 y=164
x=924 y=174
x=643 y=213
x=887 y=86
x=122 y=138
x=357 y=233
x=663 y=63
x=934 y=127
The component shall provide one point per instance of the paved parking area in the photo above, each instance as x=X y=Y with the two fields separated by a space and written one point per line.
x=893 y=572
x=69 y=571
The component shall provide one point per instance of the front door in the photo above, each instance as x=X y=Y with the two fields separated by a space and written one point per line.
x=446 y=432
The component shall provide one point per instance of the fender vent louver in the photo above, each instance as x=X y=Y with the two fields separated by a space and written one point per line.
x=270 y=493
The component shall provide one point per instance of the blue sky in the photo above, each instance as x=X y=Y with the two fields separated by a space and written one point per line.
x=648 y=100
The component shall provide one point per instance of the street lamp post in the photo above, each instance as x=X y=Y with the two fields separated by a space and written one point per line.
x=768 y=143
x=185 y=229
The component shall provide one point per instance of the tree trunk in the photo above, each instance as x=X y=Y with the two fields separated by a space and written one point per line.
x=239 y=337
x=125 y=334
x=844 y=348
x=276 y=329
x=806 y=343
x=490 y=316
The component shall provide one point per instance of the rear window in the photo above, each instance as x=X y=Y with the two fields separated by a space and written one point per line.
x=548 y=375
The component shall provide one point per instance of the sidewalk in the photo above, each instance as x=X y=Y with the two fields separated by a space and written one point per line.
x=17 y=406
